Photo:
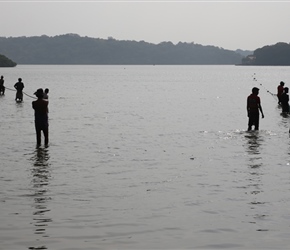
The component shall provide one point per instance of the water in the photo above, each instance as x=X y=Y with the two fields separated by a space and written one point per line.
x=145 y=157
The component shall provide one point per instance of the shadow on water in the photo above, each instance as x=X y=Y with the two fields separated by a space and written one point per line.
x=255 y=183
x=41 y=176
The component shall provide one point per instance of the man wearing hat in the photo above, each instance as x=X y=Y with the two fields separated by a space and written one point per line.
x=253 y=108
x=40 y=107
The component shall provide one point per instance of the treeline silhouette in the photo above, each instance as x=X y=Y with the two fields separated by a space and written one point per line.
x=74 y=49
x=272 y=55
x=6 y=62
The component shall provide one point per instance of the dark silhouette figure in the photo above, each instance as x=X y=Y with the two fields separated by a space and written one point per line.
x=45 y=95
x=285 y=101
x=19 y=86
x=280 y=90
x=2 y=88
x=40 y=107
x=253 y=108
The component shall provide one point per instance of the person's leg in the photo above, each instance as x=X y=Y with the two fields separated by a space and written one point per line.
x=38 y=136
x=287 y=108
x=250 y=123
x=257 y=122
x=45 y=132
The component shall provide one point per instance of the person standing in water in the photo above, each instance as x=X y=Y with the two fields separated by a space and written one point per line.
x=19 y=86
x=253 y=108
x=280 y=90
x=40 y=107
x=2 y=88
x=285 y=101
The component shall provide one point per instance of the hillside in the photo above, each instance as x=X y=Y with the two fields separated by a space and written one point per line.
x=272 y=55
x=6 y=62
x=74 y=49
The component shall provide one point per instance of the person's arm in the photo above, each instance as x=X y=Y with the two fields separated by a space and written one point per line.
x=47 y=107
x=248 y=108
x=261 y=110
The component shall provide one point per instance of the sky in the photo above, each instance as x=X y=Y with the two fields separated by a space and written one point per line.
x=232 y=25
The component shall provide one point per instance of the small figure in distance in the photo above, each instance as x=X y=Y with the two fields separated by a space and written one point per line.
x=19 y=86
x=253 y=108
x=2 y=88
x=40 y=107
x=285 y=101
x=280 y=90
x=45 y=94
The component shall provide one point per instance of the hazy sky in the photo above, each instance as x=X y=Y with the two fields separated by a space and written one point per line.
x=228 y=24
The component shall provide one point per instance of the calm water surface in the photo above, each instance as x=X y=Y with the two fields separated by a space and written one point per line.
x=145 y=157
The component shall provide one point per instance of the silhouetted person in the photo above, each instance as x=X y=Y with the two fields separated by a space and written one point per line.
x=19 y=86
x=285 y=101
x=2 y=88
x=40 y=107
x=280 y=90
x=45 y=94
x=253 y=108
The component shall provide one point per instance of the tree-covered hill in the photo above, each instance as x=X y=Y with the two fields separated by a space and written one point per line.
x=6 y=62
x=275 y=55
x=74 y=49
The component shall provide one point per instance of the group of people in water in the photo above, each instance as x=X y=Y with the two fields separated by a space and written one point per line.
x=283 y=97
x=19 y=86
x=40 y=107
x=254 y=107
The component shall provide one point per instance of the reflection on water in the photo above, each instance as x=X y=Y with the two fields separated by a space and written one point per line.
x=40 y=181
x=254 y=143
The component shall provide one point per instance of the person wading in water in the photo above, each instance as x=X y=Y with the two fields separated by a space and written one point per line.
x=253 y=108
x=19 y=86
x=280 y=90
x=2 y=87
x=40 y=107
x=285 y=101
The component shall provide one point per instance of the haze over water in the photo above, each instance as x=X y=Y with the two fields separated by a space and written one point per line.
x=145 y=157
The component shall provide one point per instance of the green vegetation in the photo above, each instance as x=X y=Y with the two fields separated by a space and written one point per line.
x=6 y=62
x=274 y=55
x=73 y=49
